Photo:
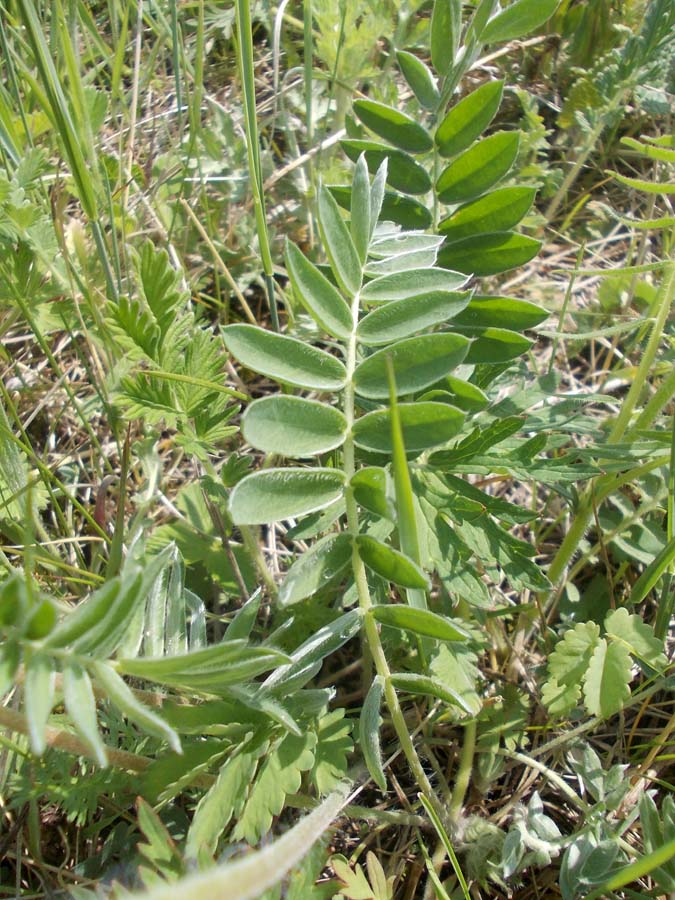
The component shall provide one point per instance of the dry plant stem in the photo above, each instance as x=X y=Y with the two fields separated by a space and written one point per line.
x=370 y=626
x=580 y=523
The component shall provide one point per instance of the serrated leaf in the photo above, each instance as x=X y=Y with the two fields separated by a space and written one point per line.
x=272 y=495
x=419 y=621
x=517 y=20
x=39 y=686
x=420 y=79
x=638 y=636
x=284 y=358
x=469 y=118
x=412 y=683
x=316 y=568
x=279 y=775
x=403 y=173
x=489 y=254
x=569 y=661
x=424 y=425
x=418 y=363
x=354 y=882
x=338 y=244
x=390 y=564
x=293 y=426
x=414 y=283
x=403 y=318
x=445 y=31
x=499 y=210
x=223 y=801
x=606 y=684
x=369 y=732
x=78 y=696
x=475 y=171
x=560 y=699
x=333 y=745
x=501 y=312
x=317 y=294
x=394 y=126
x=360 y=224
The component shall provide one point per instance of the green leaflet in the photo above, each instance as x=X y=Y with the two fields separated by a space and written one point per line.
x=638 y=636
x=284 y=358
x=402 y=318
x=456 y=392
x=372 y=489
x=317 y=294
x=338 y=244
x=369 y=732
x=360 y=226
x=420 y=79
x=607 y=679
x=404 y=211
x=489 y=254
x=467 y=120
x=39 y=686
x=317 y=567
x=446 y=27
x=429 y=687
x=501 y=312
x=293 y=426
x=497 y=211
x=476 y=170
x=390 y=564
x=403 y=173
x=424 y=425
x=517 y=20
x=419 y=621
x=418 y=363
x=496 y=345
x=272 y=495
x=394 y=126
x=413 y=283
x=78 y=696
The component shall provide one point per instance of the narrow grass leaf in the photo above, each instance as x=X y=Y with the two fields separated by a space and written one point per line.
x=419 y=621
x=338 y=244
x=319 y=297
x=293 y=426
x=418 y=363
x=273 y=495
x=499 y=210
x=323 y=563
x=424 y=425
x=284 y=358
x=420 y=78
x=652 y=573
x=469 y=118
x=390 y=564
x=489 y=254
x=478 y=169
x=403 y=318
x=394 y=126
x=369 y=732
x=78 y=696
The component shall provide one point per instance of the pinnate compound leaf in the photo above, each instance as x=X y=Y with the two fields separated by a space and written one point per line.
x=293 y=426
x=476 y=170
x=279 y=775
x=369 y=732
x=319 y=297
x=78 y=696
x=413 y=283
x=333 y=745
x=394 y=126
x=424 y=423
x=412 y=683
x=499 y=210
x=489 y=254
x=418 y=363
x=284 y=358
x=124 y=699
x=403 y=318
x=403 y=173
x=606 y=684
x=419 y=621
x=39 y=686
x=467 y=120
x=420 y=79
x=318 y=567
x=569 y=661
x=518 y=20
x=389 y=563
x=272 y=495
x=338 y=244
x=223 y=801
x=637 y=636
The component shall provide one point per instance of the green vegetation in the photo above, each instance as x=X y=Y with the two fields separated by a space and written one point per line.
x=337 y=492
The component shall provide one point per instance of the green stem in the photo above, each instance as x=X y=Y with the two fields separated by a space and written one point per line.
x=464 y=772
